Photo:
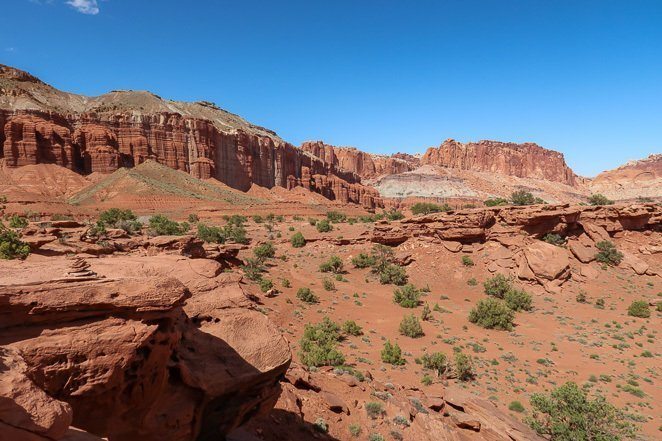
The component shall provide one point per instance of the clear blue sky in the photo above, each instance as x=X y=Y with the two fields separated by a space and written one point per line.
x=581 y=77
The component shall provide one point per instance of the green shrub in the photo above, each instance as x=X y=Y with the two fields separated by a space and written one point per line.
x=355 y=429
x=323 y=226
x=11 y=245
x=16 y=221
x=375 y=437
x=235 y=233
x=463 y=367
x=363 y=260
x=394 y=215
x=392 y=354
x=350 y=327
x=599 y=199
x=265 y=251
x=498 y=286
x=297 y=240
x=266 y=285
x=516 y=406
x=321 y=426
x=307 y=296
x=554 y=239
x=118 y=218
x=639 y=308
x=518 y=300
x=193 y=218
x=581 y=296
x=210 y=234
x=286 y=283
x=253 y=269
x=318 y=344
x=428 y=207
x=472 y=282
x=374 y=409
x=494 y=202
x=491 y=313
x=336 y=217
x=160 y=225
x=328 y=284
x=407 y=296
x=333 y=265
x=237 y=220
x=600 y=303
x=466 y=261
x=258 y=219
x=608 y=253
x=312 y=221
x=426 y=313
x=436 y=361
x=393 y=274
x=427 y=380
x=383 y=256
x=569 y=414
x=410 y=326
x=522 y=197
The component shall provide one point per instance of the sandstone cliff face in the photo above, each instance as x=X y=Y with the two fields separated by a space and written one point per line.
x=39 y=124
x=364 y=164
x=522 y=160
x=635 y=179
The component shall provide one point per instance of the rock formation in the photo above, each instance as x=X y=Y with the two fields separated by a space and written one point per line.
x=135 y=357
x=633 y=180
x=366 y=165
x=526 y=160
x=40 y=124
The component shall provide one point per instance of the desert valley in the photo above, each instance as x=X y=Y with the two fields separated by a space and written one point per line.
x=171 y=271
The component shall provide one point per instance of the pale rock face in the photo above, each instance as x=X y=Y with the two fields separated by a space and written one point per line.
x=635 y=179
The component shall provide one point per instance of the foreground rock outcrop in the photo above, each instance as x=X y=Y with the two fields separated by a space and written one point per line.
x=134 y=357
x=39 y=125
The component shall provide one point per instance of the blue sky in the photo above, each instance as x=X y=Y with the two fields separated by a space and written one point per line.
x=581 y=77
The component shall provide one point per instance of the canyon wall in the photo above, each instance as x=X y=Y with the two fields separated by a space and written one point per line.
x=366 y=165
x=102 y=143
x=636 y=179
x=526 y=160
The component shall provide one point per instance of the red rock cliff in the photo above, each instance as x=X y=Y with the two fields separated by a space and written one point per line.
x=364 y=164
x=526 y=160
x=39 y=124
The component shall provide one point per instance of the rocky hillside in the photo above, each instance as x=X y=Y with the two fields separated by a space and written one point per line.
x=633 y=180
x=41 y=124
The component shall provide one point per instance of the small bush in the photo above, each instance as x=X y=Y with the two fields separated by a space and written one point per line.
x=581 y=297
x=210 y=234
x=297 y=240
x=491 y=313
x=323 y=226
x=11 y=245
x=160 y=225
x=522 y=197
x=355 y=429
x=428 y=207
x=498 y=286
x=237 y=220
x=394 y=215
x=427 y=380
x=393 y=274
x=321 y=426
x=235 y=233
x=600 y=303
x=318 y=344
x=407 y=296
x=374 y=409
x=266 y=285
x=516 y=406
x=336 y=217
x=392 y=354
x=363 y=260
x=472 y=282
x=599 y=199
x=569 y=414
x=253 y=269
x=639 y=308
x=436 y=361
x=16 y=221
x=518 y=300
x=410 y=326
x=554 y=239
x=466 y=261
x=193 y=218
x=351 y=328
x=117 y=218
x=426 y=313
x=608 y=253
x=328 y=284
x=494 y=202
x=265 y=251
x=333 y=265
x=258 y=219
x=463 y=367
x=307 y=296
